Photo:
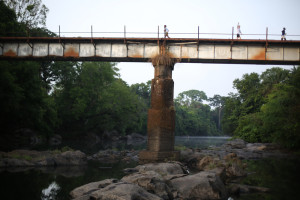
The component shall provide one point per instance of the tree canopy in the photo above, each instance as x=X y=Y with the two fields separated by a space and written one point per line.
x=29 y=12
x=266 y=107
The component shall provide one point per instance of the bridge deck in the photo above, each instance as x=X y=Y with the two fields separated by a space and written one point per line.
x=184 y=50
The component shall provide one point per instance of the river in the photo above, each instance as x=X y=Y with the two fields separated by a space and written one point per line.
x=56 y=183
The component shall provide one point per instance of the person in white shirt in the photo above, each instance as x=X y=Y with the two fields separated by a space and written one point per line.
x=239 y=32
x=166 y=31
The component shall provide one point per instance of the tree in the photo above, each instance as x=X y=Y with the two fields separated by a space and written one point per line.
x=8 y=21
x=80 y=92
x=217 y=101
x=24 y=102
x=266 y=109
x=24 y=99
x=143 y=90
x=192 y=116
x=271 y=77
x=29 y=12
x=90 y=97
x=249 y=89
x=190 y=97
x=232 y=113
x=281 y=114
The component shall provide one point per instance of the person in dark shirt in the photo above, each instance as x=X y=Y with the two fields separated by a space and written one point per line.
x=283 y=34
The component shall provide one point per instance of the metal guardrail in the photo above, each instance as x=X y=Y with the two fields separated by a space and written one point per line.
x=159 y=34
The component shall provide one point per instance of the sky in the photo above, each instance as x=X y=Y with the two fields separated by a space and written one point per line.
x=181 y=16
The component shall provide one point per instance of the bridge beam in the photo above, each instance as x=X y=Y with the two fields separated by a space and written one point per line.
x=161 y=117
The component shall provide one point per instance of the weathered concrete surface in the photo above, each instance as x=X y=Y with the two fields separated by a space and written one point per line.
x=142 y=49
x=161 y=116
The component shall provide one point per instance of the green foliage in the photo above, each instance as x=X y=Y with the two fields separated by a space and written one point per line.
x=250 y=128
x=143 y=92
x=180 y=148
x=29 y=12
x=266 y=108
x=21 y=157
x=192 y=116
x=217 y=102
x=281 y=115
x=191 y=97
x=91 y=98
x=249 y=92
x=62 y=150
x=8 y=21
x=231 y=113
x=24 y=103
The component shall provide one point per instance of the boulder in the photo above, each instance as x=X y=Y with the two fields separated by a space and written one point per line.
x=205 y=163
x=236 y=189
x=55 y=140
x=221 y=172
x=122 y=191
x=135 y=139
x=164 y=169
x=25 y=158
x=150 y=181
x=13 y=162
x=74 y=157
x=91 y=187
x=236 y=144
x=234 y=166
x=200 y=186
x=111 y=156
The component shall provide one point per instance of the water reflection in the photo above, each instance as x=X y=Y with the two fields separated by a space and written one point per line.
x=66 y=171
x=200 y=142
x=50 y=192
x=56 y=182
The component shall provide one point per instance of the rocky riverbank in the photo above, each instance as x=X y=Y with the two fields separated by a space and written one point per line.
x=29 y=158
x=200 y=174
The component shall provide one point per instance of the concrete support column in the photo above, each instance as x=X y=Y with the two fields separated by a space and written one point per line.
x=161 y=117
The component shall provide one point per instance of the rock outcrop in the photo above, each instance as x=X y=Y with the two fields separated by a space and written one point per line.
x=26 y=158
x=201 y=174
x=156 y=181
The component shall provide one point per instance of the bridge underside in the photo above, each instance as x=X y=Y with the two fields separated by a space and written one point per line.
x=142 y=50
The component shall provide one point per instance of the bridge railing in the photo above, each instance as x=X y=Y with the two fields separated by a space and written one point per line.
x=160 y=34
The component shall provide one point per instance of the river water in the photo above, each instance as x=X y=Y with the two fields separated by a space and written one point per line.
x=55 y=183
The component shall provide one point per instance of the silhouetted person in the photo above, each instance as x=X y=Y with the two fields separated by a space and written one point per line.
x=283 y=34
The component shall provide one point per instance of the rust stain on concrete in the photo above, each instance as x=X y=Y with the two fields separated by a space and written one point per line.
x=70 y=52
x=261 y=55
x=136 y=56
x=185 y=56
x=10 y=53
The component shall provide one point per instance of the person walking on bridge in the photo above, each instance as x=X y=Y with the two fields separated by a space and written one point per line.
x=283 y=34
x=239 y=32
x=166 y=31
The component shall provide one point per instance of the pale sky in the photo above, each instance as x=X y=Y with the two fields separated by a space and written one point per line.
x=181 y=16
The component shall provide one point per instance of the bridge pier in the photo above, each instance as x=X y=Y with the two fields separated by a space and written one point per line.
x=161 y=116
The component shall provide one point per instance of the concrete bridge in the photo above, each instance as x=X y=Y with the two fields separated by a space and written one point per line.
x=143 y=49
x=163 y=53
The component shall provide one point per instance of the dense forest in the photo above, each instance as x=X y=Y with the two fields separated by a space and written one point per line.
x=77 y=98
x=266 y=107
